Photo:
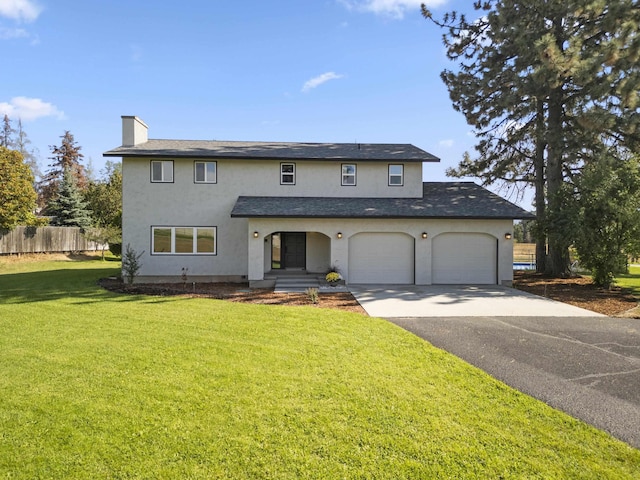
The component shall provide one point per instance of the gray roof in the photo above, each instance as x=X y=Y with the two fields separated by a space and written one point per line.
x=440 y=200
x=274 y=150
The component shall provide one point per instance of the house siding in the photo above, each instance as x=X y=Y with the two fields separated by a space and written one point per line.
x=185 y=203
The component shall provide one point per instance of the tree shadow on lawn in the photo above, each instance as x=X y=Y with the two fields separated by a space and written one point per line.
x=44 y=286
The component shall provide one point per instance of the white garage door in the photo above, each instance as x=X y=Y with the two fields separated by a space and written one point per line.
x=381 y=258
x=464 y=258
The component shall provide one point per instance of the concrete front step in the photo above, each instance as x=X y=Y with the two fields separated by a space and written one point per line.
x=295 y=283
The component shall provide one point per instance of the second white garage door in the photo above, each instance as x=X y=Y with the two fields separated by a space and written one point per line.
x=377 y=258
x=464 y=258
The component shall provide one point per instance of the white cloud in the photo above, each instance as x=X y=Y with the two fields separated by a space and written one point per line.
x=392 y=8
x=448 y=143
x=319 y=80
x=29 y=109
x=11 y=33
x=22 y=10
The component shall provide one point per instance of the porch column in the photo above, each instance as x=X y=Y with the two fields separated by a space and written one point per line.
x=255 y=254
x=340 y=255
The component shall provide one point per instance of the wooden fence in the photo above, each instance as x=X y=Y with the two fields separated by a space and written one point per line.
x=45 y=240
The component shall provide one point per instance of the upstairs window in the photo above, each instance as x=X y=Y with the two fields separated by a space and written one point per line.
x=205 y=172
x=396 y=175
x=162 y=171
x=348 y=174
x=287 y=174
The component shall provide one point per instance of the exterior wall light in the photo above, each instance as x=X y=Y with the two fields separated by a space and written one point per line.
x=256 y=234
x=507 y=236
x=424 y=235
x=339 y=235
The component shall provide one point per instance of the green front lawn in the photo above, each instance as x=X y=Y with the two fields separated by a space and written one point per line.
x=100 y=385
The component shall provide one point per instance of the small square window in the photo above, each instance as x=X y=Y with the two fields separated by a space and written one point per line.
x=205 y=172
x=162 y=171
x=396 y=175
x=348 y=174
x=287 y=174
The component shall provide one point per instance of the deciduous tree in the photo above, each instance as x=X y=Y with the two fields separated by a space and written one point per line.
x=17 y=195
x=22 y=144
x=104 y=197
x=608 y=215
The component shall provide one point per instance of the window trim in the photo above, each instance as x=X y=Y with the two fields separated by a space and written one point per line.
x=354 y=174
x=401 y=175
x=163 y=162
x=282 y=164
x=194 y=251
x=206 y=180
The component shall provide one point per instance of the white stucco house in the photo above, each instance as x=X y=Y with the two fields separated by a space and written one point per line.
x=244 y=211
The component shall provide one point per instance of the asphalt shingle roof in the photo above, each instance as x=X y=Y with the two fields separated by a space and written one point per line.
x=440 y=200
x=275 y=150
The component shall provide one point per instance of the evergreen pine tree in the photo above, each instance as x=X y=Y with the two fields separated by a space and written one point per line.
x=545 y=85
x=69 y=209
x=66 y=157
x=6 y=134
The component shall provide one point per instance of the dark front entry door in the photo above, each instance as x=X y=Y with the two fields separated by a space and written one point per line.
x=294 y=246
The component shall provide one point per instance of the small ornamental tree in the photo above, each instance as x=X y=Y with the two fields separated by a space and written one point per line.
x=69 y=209
x=17 y=195
x=131 y=264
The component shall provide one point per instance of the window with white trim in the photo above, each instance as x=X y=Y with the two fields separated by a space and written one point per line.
x=287 y=174
x=348 y=174
x=205 y=172
x=396 y=175
x=183 y=240
x=162 y=171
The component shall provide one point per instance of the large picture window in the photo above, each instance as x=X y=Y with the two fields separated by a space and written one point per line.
x=183 y=240
x=396 y=175
x=287 y=174
x=205 y=172
x=162 y=171
x=348 y=174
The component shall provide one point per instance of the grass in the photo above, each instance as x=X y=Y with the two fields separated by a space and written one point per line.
x=100 y=385
x=630 y=280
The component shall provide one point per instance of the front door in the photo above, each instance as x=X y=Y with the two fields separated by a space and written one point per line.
x=294 y=249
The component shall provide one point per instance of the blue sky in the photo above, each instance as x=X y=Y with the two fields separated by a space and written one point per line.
x=277 y=70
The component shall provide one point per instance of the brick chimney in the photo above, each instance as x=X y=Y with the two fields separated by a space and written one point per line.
x=134 y=131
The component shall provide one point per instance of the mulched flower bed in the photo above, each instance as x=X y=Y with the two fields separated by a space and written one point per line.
x=578 y=291
x=236 y=292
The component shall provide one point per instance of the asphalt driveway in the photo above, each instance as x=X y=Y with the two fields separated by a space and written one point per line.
x=589 y=367
x=580 y=362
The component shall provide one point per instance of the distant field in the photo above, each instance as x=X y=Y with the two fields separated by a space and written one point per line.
x=524 y=252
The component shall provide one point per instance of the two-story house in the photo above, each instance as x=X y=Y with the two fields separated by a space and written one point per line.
x=244 y=211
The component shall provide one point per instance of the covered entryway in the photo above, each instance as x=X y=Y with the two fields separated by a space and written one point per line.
x=381 y=258
x=464 y=258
